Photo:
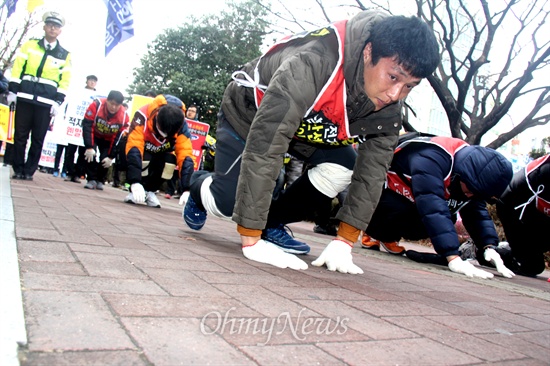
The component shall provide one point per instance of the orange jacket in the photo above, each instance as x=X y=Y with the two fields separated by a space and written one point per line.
x=142 y=137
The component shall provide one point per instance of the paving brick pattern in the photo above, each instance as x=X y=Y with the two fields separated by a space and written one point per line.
x=109 y=283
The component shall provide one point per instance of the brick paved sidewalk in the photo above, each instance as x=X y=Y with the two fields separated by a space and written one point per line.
x=109 y=283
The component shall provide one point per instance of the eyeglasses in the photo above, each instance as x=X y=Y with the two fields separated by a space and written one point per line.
x=53 y=25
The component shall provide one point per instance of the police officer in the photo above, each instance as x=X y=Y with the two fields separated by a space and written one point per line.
x=40 y=79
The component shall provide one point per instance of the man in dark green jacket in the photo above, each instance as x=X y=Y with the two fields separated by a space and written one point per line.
x=313 y=95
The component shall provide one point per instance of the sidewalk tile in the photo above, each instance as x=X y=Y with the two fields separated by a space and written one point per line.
x=43 y=251
x=373 y=327
x=102 y=265
x=171 y=341
x=35 y=281
x=291 y=354
x=460 y=340
x=48 y=313
x=176 y=306
x=85 y=358
x=397 y=352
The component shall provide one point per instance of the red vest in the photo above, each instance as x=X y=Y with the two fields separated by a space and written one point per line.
x=106 y=127
x=153 y=142
x=400 y=185
x=541 y=204
x=326 y=121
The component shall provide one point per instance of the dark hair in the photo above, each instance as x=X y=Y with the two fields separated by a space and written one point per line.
x=170 y=119
x=115 y=96
x=410 y=40
x=92 y=77
x=150 y=93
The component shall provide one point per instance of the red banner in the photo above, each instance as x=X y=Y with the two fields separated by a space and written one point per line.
x=198 y=130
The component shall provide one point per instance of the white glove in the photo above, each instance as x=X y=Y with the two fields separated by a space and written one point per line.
x=457 y=265
x=106 y=162
x=184 y=197
x=54 y=111
x=266 y=252
x=337 y=257
x=138 y=192
x=89 y=155
x=12 y=98
x=493 y=257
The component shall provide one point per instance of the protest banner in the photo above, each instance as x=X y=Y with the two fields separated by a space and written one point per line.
x=7 y=121
x=199 y=131
x=49 y=148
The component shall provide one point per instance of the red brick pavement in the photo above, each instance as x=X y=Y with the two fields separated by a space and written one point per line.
x=104 y=282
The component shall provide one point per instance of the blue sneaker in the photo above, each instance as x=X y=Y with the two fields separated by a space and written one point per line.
x=63 y=175
x=280 y=237
x=193 y=216
x=56 y=174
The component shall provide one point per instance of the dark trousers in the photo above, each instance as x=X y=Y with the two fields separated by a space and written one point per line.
x=396 y=217
x=30 y=119
x=58 y=154
x=528 y=238
x=8 y=154
x=95 y=170
x=69 y=166
x=121 y=165
x=172 y=184
x=295 y=203
x=153 y=180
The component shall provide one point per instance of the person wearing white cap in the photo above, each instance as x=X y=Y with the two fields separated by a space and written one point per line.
x=40 y=79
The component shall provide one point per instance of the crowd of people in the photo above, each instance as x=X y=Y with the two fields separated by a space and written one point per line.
x=329 y=101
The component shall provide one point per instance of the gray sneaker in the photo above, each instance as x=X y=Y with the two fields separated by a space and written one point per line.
x=91 y=185
x=99 y=186
x=151 y=200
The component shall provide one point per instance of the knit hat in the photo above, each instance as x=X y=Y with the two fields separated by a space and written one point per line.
x=485 y=171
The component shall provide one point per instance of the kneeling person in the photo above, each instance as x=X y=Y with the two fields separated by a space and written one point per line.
x=429 y=181
x=158 y=139
x=102 y=125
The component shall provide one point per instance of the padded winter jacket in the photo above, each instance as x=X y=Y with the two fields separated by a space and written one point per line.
x=529 y=189
x=426 y=167
x=294 y=75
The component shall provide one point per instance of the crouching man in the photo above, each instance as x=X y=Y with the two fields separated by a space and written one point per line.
x=158 y=139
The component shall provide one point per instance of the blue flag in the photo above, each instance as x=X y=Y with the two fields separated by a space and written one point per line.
x=11 y=6
x=120 y=23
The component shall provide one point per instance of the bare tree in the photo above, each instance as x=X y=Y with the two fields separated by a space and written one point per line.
x=494 y=58
x=14 y=32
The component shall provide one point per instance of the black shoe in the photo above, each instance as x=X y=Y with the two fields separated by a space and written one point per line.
x=423 y=257
x=325 y=230
x=27 y=177
x=17 y=176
